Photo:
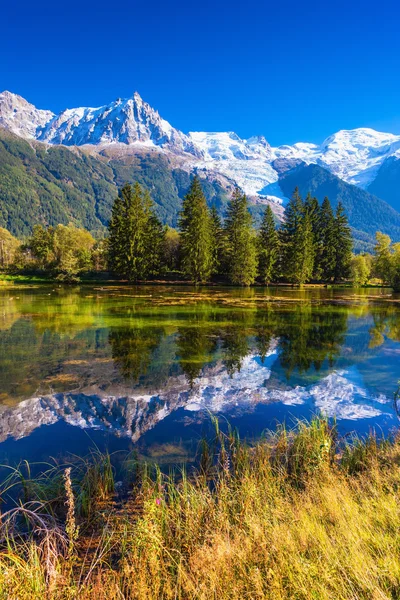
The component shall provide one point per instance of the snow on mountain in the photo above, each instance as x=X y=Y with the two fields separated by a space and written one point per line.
x=247 y=162
x=129 y=413
x=21 y=117
x=353 y=155
x=129 y=121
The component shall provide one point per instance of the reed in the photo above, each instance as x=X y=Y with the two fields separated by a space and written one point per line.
x=298 y=515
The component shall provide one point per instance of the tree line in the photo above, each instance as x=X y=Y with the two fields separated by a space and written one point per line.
x=313 y=244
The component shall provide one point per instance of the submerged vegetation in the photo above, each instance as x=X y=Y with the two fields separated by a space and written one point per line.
x=52 y=338
x=300 y=514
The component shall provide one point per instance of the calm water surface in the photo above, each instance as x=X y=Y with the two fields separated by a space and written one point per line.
x=142 y=368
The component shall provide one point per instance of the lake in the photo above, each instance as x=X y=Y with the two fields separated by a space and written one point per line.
x=142 y=368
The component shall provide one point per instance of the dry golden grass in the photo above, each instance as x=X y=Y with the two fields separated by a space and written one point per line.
x=294 y=517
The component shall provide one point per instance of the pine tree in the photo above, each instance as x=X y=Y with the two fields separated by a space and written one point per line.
x=134 y=229
x=298 y=241
x=217 y=235
x=268 y=248
x=343 y=244
x=326 y=257
x=241 y=254
x=196 y=235
x=287 y=233
x=155 y=245
x=312 y=208
x=116 y=229
x=304 y=251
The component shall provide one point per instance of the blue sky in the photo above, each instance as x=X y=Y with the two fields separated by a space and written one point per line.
x=289 y=70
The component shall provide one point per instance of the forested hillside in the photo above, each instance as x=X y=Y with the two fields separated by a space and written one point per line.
x=51 y=185
x=386 y=184
x=366 y=213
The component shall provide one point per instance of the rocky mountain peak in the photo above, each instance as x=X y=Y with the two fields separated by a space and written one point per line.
x=21 y=117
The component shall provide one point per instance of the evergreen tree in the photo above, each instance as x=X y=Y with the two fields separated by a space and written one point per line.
x=343 y=244
x=312 y=208
x=241 y=252
x=116 y=229
x=217 y=235
x=196 y=235
x=326 y=257
x=287 y=233
x=268 y=248
x=304 y=251
x=298 y=242
x=135 y=234
x=155 y=245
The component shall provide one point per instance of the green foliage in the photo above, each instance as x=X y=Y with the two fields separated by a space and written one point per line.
x=361 y=265
x=241 y=251
x=48 y=186
x=268 y=248
x=171 y=249
x=326 y=257
x=72 y=251
x=343 y=245
x=366 y=213
x=196 y=235
x=63 y=251
x=217 y=241
x=386 y=262
x=51 y=186
x=9 y=247
x=298 y=242
x=41 y=244
x=396 y=267
x=316 y=244
x=136 y=235
x=382 y=264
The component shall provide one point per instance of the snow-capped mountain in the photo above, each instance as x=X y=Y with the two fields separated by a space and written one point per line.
x=247 y=162
x=21 y=117
x=130 y=121
x=352 y=155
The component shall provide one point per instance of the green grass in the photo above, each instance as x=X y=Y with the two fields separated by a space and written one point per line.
x=298 y=515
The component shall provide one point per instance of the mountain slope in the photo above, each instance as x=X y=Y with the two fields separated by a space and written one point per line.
x=67 y=167
x=22 y=118
x=366 y=212
x=129 y=121
x=386 y=184
x=50 y=185
x=353 y=155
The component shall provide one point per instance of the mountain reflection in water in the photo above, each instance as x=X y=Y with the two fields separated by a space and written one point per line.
x=123 y=360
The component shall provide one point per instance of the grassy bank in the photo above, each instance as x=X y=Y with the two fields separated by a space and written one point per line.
x=298 y=515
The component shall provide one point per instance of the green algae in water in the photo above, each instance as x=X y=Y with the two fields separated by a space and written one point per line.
x=187 y=346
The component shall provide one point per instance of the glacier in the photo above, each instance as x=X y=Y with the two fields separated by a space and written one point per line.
x=354 y=156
